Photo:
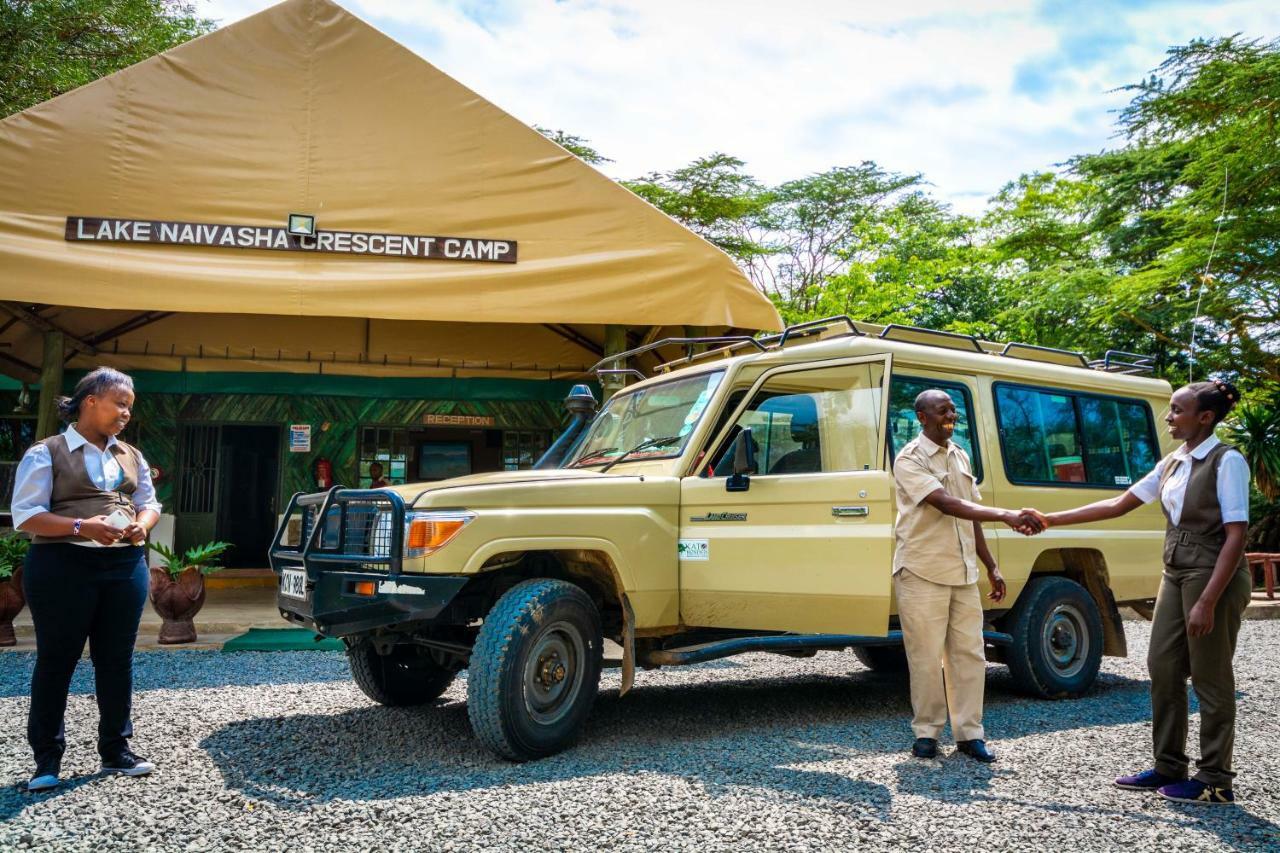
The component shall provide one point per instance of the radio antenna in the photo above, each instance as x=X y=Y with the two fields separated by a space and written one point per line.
x=1204 y=277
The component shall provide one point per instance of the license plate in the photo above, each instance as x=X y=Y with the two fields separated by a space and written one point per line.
x=293 y=583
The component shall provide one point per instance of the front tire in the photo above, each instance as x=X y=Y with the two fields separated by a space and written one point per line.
x=407 y=676
x=535 y=670
x=1057 y=639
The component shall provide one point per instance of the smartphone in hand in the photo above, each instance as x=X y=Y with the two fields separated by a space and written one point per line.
x=119 y=520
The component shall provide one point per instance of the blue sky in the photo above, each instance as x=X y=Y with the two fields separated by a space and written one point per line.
x=968 y=93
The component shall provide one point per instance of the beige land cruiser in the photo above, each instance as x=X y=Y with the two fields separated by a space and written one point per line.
x=740 y=500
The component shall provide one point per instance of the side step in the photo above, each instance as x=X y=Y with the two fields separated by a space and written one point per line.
x=784 y=643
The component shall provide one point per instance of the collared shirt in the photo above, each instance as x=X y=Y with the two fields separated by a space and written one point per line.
x=33 y=482
x=936 y=546
x=1233 y=482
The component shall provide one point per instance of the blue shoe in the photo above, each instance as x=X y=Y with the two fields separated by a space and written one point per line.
x=1147 y=780
x=43 y=782
x=1199 y=793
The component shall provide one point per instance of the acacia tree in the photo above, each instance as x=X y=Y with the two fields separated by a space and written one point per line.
x=48 y=47
x=715 y=197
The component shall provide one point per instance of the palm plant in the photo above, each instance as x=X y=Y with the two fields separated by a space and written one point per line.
x=1254 y=429
x=13 y=550
x=203 y=557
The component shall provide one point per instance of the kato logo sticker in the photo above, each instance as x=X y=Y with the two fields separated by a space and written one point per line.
x=694 y=549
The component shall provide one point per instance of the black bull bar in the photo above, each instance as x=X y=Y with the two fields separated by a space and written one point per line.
x=349 y=539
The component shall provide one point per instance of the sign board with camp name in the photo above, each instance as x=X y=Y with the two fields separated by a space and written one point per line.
x=435 y=248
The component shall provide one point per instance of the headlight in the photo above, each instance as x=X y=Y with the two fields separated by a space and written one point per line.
x=428 y=532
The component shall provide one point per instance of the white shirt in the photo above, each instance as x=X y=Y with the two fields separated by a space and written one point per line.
x=1233 y=482
x=33 y=483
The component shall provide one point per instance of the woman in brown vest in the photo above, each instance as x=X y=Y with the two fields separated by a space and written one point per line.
x=88 y=501
x=1203 y=487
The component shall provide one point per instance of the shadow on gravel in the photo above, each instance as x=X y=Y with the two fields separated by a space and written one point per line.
x=190 y=670
x=726 y=736
x=937 y=780
x=13 y=799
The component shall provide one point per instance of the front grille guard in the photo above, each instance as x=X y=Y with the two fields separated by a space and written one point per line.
x=360 y=528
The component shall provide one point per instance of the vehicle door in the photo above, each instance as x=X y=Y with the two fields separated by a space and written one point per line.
x=807 y=547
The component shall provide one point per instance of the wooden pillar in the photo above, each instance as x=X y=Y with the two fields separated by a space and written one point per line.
x=50 y=385
x=615 y=341
x=696 y=332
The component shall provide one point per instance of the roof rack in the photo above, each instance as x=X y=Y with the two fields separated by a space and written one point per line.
x=1114 y=361
x=931 y=337
x=687 y=343
x=1119 y=361
x=1051 y=355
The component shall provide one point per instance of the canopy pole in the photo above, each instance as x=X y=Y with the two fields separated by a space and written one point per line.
x=50 y=384
x=615 y=341
x=697 y=332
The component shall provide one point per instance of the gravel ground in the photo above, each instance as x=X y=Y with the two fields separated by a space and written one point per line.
x=268 y=751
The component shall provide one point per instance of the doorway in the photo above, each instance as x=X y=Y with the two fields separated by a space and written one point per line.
x=228 y=482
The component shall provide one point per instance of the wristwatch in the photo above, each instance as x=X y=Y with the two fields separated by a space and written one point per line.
x=75 y=526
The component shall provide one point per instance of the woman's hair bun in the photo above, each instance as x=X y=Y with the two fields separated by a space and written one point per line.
x=1217 y=395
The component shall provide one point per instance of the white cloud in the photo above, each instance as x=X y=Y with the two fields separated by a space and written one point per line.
x=930 y=87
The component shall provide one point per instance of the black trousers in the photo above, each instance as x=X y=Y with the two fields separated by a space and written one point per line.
x=75 y=594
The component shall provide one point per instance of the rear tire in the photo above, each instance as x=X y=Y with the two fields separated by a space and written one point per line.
x=1057 y=639
x=884 y=659
x=407 y=676
x=535 y=670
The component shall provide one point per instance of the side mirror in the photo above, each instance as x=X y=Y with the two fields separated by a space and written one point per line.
x=744 y=462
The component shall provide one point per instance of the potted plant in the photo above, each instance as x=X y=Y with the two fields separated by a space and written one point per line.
x=177 y=587
x=13 y=549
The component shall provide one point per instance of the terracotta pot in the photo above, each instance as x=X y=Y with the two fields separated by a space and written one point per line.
x=177 y=601
x=11 y=603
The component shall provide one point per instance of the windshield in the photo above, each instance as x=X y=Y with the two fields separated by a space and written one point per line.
x=663 y=414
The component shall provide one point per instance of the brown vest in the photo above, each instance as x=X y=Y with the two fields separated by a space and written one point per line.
x=76 y=496
x=1197 y=539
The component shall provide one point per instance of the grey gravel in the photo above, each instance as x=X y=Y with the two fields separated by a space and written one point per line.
x=280 y=751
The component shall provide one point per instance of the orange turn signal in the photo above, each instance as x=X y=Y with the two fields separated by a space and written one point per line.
x=364 y=588
x=430 y=534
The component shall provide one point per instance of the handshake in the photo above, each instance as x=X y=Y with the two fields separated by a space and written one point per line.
x=1026 y=521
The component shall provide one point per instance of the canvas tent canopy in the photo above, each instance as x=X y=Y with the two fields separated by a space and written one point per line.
x=304 y=108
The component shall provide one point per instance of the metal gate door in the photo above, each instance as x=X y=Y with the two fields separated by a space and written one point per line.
x=200 y=449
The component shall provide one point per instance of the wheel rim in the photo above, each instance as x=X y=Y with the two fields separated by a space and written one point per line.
x=553 y=672
x=1065 y=640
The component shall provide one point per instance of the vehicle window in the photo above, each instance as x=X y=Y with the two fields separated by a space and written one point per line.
x=663 y=414
x=1067 y=437
x=904 y=426
x=1120 y=448
x=810 y=421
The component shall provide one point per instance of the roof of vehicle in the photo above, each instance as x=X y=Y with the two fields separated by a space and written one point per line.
x=927 y=349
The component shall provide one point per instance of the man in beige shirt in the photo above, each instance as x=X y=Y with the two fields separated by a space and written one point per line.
x=935 y=571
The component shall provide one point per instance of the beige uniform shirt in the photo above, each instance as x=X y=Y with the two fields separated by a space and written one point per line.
x=935 y=546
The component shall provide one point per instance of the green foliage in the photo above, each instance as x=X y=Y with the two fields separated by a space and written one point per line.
x=203 y=557
x=716 y=199
x=1254 y=429
x=48 y=47
x=576 y=145
x=13 y=550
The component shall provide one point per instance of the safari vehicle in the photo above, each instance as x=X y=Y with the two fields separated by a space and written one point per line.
x=740 y=500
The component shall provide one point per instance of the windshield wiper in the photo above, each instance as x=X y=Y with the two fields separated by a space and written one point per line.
x=601 y=452
x=652 y=442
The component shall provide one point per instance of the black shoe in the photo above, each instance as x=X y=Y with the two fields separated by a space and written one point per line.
x=925 y=747
x=977 y=750
x=128 y=764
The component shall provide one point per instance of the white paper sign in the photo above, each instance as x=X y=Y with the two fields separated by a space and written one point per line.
x=300 y=438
